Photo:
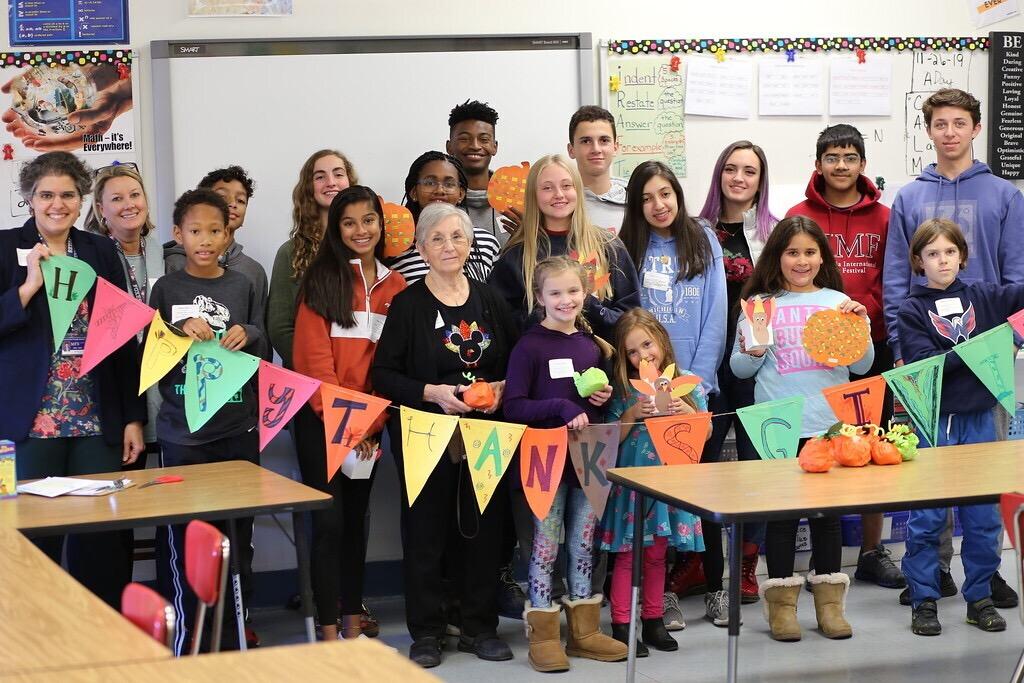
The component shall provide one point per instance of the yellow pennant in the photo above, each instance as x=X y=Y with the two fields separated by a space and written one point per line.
x=164 y=348
x=425 y=437
x=489 y=450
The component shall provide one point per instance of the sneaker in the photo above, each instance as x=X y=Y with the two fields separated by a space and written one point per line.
x=368 y=623
x=716 y=608
x=876 y=566
x=511 y=598
x=947 y=588
x=983 y=614
x=673 y=615
x=748 y=577
x=1003 y=596
x=925 y=619
x=687 y=577
x=426 y=652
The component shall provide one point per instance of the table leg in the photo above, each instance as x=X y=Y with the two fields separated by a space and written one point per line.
x=305 y=583
x=735 y=570
x=638 y=556
x=236 y=583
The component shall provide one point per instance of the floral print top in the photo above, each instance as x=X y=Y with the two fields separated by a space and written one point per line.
x=69 y=406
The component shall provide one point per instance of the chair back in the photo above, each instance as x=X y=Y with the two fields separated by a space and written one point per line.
x=147 y=609
x=207 y=551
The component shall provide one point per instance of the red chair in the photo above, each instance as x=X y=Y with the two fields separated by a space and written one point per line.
x=1012 y=507
x=207 y=552
x=147 y=609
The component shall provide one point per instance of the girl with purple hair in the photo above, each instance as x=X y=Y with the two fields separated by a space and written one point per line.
x=737 y=207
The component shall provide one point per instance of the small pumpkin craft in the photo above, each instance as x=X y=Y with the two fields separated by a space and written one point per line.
x=816 y=455
x=590 y=381
x=507 y=188
x=883 y=451
x=849 y=448
x=399 y=229
x=904 y=439
x=479 y=395
x=834 y=338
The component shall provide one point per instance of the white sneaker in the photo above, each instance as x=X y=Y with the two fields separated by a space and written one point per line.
x=673 y=615
x=716 y=608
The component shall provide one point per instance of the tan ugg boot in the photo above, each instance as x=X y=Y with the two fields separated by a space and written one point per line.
x=779 y=600
x=585 y=638
x=542 y=628
x=830 y=604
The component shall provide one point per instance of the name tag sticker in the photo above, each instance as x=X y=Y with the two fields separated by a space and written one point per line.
x=560 y=368
x=182 y=312
x=658 y=281
x=439 y=323
x=950 y=306
x=73 y=346
x=23 y=257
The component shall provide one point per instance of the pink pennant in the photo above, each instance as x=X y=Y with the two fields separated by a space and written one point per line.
x=116 y=317
x=1017 y=322
x=282 y=393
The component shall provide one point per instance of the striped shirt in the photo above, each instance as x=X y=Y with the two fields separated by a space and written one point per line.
x=482 y=255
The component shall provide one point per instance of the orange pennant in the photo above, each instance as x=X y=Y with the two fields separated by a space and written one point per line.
x=859 y=402
x=541 y=461
x=347 y=417
x=679 y=439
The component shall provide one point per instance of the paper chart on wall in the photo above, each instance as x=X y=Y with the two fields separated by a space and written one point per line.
x=787 y=88
x=716 y=88
x=860 y=88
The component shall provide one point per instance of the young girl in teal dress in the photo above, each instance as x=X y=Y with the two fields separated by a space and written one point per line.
x=639 y=336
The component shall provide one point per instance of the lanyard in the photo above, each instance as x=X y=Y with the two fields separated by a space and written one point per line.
x=69 y=248
x=138 y=291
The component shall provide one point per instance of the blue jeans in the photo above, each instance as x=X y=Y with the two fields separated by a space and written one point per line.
x=572 y=509
x=981 y=524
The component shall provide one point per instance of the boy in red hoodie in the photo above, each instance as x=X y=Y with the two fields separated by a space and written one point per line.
x=844 y=202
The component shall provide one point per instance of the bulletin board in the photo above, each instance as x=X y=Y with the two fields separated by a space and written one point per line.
x=646 y=85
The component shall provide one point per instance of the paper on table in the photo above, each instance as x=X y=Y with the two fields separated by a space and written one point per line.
x=354 y=468
x=51 y=487
x=718 y=88
x=860 y=89
x=791 y=88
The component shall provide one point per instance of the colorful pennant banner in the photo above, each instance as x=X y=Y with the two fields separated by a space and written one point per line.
x=489 y=450
x=679 y=439
x=282 y=394
x=213 y=376
x=163 y=349
x=116 y=317
x=918 y=386
x=542 y=455
x=66 y=281
x=990 y=356
x=348 y=416
x=425 y=437
x=594 y=450
x=774 y=427
x=859 y=402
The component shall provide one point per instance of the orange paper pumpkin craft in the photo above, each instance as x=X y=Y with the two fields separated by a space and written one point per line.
x=663 y=387
x=399 y=229
x=883 y=451
x=816 y=456
x=596 y=279
x=507 y=188
x=835 y=338
x=849 y=448
x=479 y=395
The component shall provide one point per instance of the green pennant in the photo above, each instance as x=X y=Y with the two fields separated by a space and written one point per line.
x=990 y=357
x=774 y=427
x=213 y=375
x=918 y=386
x=66 y=281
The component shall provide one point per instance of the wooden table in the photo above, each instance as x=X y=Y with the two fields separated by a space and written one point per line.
x=215 y=491
x=50 y=621
x=359 y=660
x=737 y=492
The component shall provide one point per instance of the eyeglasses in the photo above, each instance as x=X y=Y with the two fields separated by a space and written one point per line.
x=66 y=197
x=433 y=183
x=437 y=242
x=126 y=164
x=848 y=159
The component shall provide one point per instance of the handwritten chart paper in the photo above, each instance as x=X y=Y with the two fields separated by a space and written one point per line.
x=791 y=88
x=857 y=89
x=719 y=88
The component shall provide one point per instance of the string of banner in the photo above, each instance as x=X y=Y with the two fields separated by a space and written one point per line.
x=213 y=375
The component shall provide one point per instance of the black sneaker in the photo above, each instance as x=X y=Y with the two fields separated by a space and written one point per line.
x=925 y=619
x=426 y=652
x=947 y=588
x=486 y=646
x=511 y=599
x=1003 y=596
x=983 y=614
x=876 y=566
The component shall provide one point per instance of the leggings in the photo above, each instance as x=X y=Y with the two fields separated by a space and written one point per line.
x=572 y=508
x=653 y=588
x=780 y=546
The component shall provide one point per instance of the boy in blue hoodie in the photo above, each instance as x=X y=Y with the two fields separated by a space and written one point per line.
x=989 y=211
x=934 y=318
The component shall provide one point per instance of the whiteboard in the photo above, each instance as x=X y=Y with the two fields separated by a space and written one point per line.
x=897 y=146
x=267 y=105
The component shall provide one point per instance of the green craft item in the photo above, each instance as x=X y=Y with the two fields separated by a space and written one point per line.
x=213 y=376
x=66 y=281
x=774 y=427
x=918 y=386
x=990 y=356
x=590 y=381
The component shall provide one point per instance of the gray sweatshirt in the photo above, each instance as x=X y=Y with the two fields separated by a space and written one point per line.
x=607 y=210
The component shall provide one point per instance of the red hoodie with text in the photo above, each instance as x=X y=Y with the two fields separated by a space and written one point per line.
x=856 y=235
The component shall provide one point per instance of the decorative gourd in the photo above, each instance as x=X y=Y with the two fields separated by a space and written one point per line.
x=904 y=439
x=849 y=448
x=593 y=379
x=883 y=452
x=399 y=229
x=816 y=456
x=479 y=395
x=507 y=188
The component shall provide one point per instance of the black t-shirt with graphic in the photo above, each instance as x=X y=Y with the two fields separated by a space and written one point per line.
x=464 y=338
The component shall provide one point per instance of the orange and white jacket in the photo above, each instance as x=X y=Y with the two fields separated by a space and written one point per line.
x=340 y=355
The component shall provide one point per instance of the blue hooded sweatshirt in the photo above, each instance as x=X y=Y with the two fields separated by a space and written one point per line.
x=692 y=311
x=989 y=210
x=932 y=321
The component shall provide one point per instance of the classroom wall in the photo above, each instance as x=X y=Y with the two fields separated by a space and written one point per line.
x=167 y=20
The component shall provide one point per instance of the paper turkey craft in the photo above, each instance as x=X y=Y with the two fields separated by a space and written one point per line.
x=596 y=279
x=756 y=327
x=663 y=388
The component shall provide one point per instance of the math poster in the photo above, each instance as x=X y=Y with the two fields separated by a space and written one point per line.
x=646 y=97
x=75 y=101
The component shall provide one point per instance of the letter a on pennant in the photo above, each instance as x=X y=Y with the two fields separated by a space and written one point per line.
x=425 y=437
x=541 y=461
x=348 y=415
x=489 y=449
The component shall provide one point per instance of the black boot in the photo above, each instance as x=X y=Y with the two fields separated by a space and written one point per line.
x=620 y=632
x=655 y=635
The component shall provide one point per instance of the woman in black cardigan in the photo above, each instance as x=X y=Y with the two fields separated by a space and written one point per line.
x=63 y=424
x=441 y=331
